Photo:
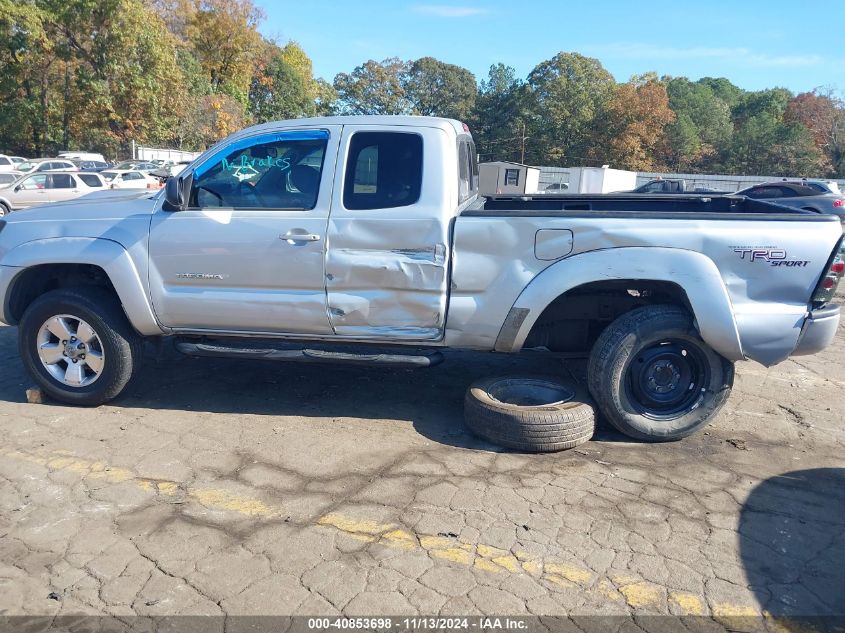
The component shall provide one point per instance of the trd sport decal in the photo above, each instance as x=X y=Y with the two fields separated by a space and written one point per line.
x=772 y=256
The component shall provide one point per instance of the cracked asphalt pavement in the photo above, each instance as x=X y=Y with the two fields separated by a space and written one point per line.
x=218 y=487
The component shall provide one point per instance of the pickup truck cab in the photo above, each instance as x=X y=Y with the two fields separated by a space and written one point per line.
x=363 y=239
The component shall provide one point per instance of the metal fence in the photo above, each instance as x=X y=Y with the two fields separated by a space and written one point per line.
x=721 y=182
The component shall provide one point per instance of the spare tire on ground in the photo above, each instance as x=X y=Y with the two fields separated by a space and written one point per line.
x=529 y=413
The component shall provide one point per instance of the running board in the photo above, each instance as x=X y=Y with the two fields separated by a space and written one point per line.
x=309 y=355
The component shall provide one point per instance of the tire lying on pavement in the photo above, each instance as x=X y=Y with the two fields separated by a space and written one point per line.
x=529 y=413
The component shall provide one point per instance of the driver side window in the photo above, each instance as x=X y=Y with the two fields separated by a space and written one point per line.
x=281 y=170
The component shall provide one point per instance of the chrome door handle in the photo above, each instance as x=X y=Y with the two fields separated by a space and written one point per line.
x=291 y=236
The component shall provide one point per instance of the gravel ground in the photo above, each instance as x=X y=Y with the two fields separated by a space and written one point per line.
x=223 y=487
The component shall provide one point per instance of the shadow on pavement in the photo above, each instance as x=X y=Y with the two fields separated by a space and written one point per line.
x=431 y=399
x=792 y=543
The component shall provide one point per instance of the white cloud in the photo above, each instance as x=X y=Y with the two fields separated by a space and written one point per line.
x=448 y=11
x=737 y=55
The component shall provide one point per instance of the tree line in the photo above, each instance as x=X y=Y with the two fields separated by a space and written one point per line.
x=98 y=74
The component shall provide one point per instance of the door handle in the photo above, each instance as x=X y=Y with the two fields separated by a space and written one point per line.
x=292 y=236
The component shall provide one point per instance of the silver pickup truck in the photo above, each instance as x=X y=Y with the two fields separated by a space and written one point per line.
x=363 y=239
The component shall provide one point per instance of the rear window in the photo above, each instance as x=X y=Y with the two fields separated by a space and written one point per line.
x=383 y=170
x=91 y=180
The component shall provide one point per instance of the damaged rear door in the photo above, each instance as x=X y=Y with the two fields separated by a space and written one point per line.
x=388 y=248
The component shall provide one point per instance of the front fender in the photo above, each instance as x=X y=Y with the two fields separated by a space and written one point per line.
x=107 y=254
x=694 y=272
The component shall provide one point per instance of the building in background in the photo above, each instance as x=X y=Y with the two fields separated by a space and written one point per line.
x=504 y=178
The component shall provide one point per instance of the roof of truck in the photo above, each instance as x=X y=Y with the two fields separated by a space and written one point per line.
x=370 y=119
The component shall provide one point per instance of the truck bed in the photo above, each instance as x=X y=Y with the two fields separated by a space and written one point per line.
x=626 y=204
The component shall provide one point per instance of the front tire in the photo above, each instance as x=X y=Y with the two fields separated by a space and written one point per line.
x=653 y=377
x=78 y=345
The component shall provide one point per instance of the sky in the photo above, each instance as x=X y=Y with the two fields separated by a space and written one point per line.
x=756 y=44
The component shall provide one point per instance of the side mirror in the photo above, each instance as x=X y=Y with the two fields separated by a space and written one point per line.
x=18 y=188
x=176 y=191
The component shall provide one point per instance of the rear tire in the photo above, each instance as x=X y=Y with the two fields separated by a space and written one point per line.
x=4 y=210
x=560 y=417
x=61 y=315
x=653 y=377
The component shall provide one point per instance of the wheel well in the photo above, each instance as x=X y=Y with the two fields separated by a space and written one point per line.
x=36 y=280
x=572 y=322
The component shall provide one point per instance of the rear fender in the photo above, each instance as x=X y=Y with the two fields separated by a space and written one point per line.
x=695 y=273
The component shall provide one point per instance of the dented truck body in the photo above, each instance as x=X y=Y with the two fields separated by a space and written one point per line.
x=373 y=232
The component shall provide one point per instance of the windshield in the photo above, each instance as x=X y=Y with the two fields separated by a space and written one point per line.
x=26 y=166
x=108 y=175
x=127 y=164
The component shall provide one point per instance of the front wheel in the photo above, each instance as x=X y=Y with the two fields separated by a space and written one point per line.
x=653 y=377
x=78 y=345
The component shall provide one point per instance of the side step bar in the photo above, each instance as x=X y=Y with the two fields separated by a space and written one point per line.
x=309 y=355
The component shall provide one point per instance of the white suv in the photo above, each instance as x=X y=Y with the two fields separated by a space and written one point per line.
x=46 y=164
x=41 y=188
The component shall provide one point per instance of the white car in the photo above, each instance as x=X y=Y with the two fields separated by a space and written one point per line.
x=82 y=156
x=42 y=188
x=6 y=163
x=45 y=164
x=129 y=179
x=136 y=165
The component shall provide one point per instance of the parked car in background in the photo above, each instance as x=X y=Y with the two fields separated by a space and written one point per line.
x=18 y=159
x=8 y=177
x=809 y=195
x=670 y=186
x=129 y=179
x=42 y=188
x=91 y=165
x=82 y=156
x=45 y=164
x=136 y=165
x=557 y=187
x=6 y=163
x=170 y=169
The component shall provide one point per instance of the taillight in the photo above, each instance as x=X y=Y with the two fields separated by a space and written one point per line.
x=840 y=202
x=829 y=281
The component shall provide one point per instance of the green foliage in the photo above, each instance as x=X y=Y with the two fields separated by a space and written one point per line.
x=435 y=88
x=567 y=95
x=374 y=88
x=99 y=74
x=498 y=120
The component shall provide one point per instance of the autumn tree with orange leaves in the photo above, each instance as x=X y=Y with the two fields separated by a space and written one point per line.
x=633 y=133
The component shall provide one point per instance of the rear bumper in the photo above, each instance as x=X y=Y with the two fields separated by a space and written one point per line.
x=818 y=331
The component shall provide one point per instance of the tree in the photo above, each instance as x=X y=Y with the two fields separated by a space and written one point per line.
x=281 y=92
x=224 y=38
x=823 y=115
x=702 y=128
x=285 y=87
x=498 y=120
x=374 y=88
x=435 y=88
x=635 y=125
x=764 y=143
x=566 y=95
